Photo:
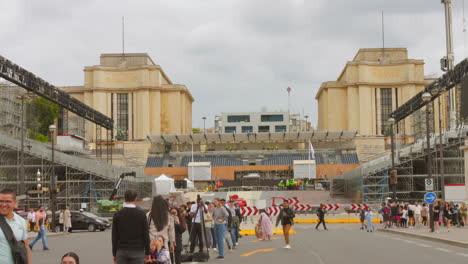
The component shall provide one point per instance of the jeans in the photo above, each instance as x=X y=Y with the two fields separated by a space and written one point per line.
x=226 y=236
x=127 y=256
x=234 y=232
x=41 y=235
x=219 y=234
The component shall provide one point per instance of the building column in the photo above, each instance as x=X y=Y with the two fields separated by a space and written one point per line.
x=465 y=149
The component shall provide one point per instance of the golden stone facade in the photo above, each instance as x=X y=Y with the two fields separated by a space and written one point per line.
x=371 y=86
x=137 y=94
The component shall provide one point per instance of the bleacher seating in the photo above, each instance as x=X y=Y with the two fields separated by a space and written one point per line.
x=273 y=159
x=154 y=162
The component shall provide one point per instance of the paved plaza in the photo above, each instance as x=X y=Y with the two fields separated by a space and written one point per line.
x=343 y=243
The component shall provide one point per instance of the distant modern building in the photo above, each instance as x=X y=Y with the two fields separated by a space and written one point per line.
x=135 y=92
x=258 y=122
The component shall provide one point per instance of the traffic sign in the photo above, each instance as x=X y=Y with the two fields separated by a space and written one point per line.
x=429 y=184
x=430 y=197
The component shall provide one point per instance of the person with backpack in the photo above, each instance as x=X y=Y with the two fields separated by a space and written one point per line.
x=386 y=212
x=235 y=224
x=286 y=217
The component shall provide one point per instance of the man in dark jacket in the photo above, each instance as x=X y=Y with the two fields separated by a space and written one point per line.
x=321 y=216
x=130 y=234
x=286 y=217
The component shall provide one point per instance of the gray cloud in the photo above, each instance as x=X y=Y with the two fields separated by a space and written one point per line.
x=234 y=55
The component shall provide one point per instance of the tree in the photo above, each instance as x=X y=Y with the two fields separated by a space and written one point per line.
x=45 y=113
x=196 y=131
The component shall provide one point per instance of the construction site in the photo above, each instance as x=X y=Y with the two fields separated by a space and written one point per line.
x=82 y=176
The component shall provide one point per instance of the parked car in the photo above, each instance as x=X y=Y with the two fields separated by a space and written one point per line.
x=88 y=221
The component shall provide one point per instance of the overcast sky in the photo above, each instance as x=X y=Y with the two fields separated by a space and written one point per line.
x=233 y=55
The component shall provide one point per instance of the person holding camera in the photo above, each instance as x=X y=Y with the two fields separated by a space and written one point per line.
x=196 y=226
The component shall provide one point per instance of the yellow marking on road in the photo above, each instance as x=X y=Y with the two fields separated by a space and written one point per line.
x=276 y=231
x=254 y=241
x=257 y=251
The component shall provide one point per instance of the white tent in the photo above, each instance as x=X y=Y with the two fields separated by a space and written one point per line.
x=163 y=185
x=190 y=185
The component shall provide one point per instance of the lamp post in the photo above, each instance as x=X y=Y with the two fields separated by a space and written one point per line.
x=392 y=121
x=426 y=97
x=307 y=123
x=53 y=180
x=39 y=185
x=204 y=128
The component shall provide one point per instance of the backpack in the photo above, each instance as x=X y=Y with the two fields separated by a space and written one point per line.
x=386 y=210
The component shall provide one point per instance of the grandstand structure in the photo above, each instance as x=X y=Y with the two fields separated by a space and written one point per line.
x=234 y=155
x=369 y=182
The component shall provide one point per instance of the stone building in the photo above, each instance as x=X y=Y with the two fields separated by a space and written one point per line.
x=370 y=87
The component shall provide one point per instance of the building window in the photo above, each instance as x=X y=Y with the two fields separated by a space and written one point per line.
x=263 y=128
x=238 y=118
x=272 y=118
x=280 y=128
x=247 y=129
x=230 y=129
x=385 y=110
x=122 y=116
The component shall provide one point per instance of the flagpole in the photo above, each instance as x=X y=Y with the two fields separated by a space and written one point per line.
x=193 y=176
x=309 y=157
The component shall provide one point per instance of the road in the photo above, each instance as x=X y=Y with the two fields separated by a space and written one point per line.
x=343 y=243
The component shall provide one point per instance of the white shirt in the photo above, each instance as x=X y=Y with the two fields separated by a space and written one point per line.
x=32 y=217
x=20 y=231
x=193 y=209
x=417 y=209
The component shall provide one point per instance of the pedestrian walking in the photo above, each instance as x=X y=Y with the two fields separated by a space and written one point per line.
x=227 y=233
x=31 y=220
x=235 y=224
x=179 y=227
x=220 y=216
x=14 y=227
x=436 y=217
x=417 y=214
x=410 y=220
x=70 y=258
x=41 y=221
x=61 y=220
x=448 y=213
x=362 y=217
x=67 y=221
x=265 y=224
x=386 y=213
x=463 y=213
x=160 y=222
x=208 y=217
x=321 y=216
x=404 y=216
x=159 y=253
x=425 y=214
x=130 y=233
x=369 y=224
x=286 y=217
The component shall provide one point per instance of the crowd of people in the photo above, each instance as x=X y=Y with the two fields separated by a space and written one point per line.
x=415 y=215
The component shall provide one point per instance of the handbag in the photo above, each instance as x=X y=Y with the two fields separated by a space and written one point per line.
x=18 y=249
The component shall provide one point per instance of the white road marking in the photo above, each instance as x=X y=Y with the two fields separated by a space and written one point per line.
x=424 y=245
x=409 y=241
x=444 y=249
x=462 y=254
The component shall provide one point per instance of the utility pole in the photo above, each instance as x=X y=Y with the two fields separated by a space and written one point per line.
x=449 y=59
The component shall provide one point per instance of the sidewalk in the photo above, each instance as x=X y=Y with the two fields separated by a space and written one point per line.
x=456 y=236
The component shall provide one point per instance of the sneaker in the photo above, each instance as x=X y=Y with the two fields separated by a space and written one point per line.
x=220 y=257
x=237 y=243
x=287 y=246
x=30 y=247
x=215 y=249
x=46 y=249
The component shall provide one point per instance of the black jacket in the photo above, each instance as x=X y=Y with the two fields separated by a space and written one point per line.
x=288 y=219
x=130 y=230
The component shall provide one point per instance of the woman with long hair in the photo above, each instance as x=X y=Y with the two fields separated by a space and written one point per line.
x=180 y=227
x=448 y=212
x=463 y=213
x=160 y=222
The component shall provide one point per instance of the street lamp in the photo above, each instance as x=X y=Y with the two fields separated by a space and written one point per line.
x=53 y=180
x=392 y=121
x=39 y=185
x=307 y=123
x=204 y=128
x=426 y=97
